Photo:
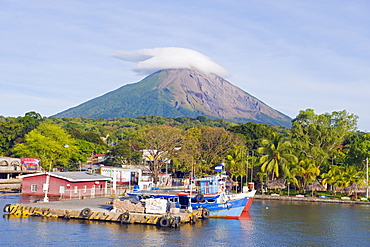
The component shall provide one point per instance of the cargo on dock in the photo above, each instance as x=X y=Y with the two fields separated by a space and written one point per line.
x=100 y=209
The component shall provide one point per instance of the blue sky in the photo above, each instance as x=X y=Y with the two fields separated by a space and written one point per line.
x=292 y=55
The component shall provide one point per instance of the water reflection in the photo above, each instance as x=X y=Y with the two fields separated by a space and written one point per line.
x=245 y=216
x=271 y=223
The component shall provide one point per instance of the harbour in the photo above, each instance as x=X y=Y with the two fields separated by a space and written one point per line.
x=185 y=123
x=164 y=209
x=268 y=222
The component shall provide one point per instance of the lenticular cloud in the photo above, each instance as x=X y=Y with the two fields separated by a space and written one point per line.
x=151 y=60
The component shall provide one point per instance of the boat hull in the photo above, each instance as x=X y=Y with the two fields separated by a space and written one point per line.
x=248 y=205
x=231 y=209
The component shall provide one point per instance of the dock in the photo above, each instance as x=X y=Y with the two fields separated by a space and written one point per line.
x=10 y=185
x=100 y=209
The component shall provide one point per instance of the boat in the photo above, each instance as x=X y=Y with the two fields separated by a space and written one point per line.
x=210 y=194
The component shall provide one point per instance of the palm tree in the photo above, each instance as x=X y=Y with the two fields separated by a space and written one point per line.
x=291 y=179
x=276 y=155
x=352 y=175
x=236 y=163
x=262 y=178
x=331 y=176
x=336 y=177
x=307 y=171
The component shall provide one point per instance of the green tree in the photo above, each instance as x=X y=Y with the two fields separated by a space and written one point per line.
x=48 y=142
x=334 y=177
x=253 y=133
x=205 y=147
x=276 y=155
x=291 y=179
x=162 y=143
x=359 y=150
x=352 y=175
x=188 y=156
x=30 y=121
x=85 y=149
x=214 y=143
x=319 y=136
x=125 y=153
x=13 y=130
x=10 y=130
x=342 y=176
x=306 y=172
x=236 y=162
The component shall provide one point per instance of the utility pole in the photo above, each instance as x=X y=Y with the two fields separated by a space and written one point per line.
x=252 y=167
x=246 y=170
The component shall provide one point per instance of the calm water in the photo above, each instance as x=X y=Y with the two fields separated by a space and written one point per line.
x=269 y=223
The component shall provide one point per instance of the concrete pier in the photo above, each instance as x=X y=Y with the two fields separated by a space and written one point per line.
x=100 y=209
x=10 y=185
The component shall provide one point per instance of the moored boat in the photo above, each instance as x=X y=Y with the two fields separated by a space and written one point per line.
x=206 y=193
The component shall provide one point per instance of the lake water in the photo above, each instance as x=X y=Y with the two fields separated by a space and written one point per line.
x=269 y=223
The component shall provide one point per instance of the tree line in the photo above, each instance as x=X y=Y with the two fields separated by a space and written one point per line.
x=325 y=147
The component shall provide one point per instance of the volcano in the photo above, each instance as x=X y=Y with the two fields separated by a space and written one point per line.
x=180 y=93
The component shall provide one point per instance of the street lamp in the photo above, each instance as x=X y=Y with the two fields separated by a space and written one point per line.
x=47 y=182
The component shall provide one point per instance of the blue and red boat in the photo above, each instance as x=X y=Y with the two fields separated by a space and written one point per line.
x=206 y=193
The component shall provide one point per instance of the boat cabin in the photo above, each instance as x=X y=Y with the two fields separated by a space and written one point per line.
x=207 y=185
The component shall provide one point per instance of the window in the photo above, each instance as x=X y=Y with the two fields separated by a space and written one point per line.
x=33 y=187
x=76 y=189
x=62 y=189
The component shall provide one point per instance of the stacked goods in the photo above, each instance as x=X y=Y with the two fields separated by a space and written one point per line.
x=156 y=206
x=127 y=206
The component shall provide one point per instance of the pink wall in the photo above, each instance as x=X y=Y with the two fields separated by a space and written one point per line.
x=28 y=181
x=55 y=183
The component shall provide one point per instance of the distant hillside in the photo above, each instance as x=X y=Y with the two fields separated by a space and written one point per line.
x=180 y=93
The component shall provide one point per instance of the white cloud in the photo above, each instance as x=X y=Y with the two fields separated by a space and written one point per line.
x=151 y=60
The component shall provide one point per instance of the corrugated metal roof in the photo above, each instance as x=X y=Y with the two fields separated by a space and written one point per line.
x=75 y=176
x=79 y=176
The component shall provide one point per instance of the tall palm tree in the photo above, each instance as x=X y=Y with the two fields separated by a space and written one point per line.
x=352 y=175
x=336 y=176
x=331 y=176
x=263 y=179
x=276 y=155
x=306 y=171
x=236 y=163
x=291 y=179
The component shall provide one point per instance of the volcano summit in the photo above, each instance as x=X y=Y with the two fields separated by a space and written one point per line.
x=180 y=93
